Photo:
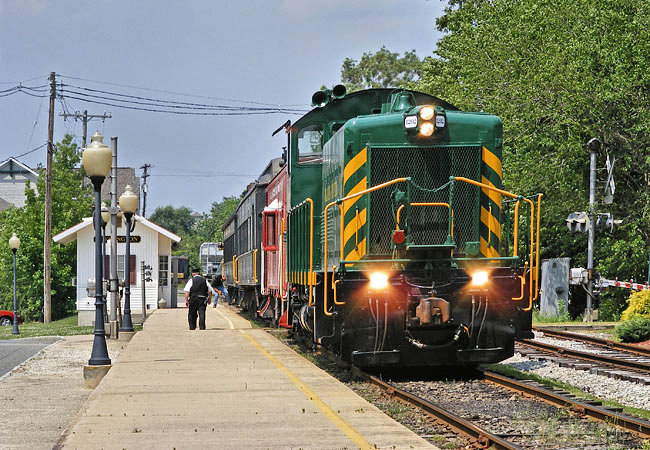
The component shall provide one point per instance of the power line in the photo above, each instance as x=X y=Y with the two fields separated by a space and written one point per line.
x=175 y=93
x=32 y=150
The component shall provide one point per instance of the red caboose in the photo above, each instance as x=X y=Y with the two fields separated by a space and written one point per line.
x=274 y=259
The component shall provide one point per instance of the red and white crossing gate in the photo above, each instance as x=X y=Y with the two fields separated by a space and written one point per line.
x=604 y=283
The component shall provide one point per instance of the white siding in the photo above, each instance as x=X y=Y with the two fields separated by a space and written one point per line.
x=12 y=188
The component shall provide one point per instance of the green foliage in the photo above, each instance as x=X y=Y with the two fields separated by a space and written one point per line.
x=563 y=315
x=382 y=69
x=611 y=304
x=638 y=306
x=177 y=220
x=634 y=330
x=70 y=203
x=559 y=73
x=194 y=232
x=63 y=327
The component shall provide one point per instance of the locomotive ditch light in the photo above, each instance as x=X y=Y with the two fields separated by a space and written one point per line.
x=378 y=281
x=427 y=112
x=426 y=129
x=479 y=278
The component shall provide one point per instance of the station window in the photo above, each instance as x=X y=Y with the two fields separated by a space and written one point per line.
x=163 y=270
x=310 y=144
x=120 y=268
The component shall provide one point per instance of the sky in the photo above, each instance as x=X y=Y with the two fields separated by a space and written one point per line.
x=273 y=53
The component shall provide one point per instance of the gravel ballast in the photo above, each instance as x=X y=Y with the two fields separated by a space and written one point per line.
x=41 y=397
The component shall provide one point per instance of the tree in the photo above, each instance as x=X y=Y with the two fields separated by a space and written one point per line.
x=382 y=69
x=194 y=232
x=177 y=220
x=558 y=74
x=70 y=203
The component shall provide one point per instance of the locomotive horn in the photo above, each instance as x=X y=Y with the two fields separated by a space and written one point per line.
x=339 y=91
x=320 y=98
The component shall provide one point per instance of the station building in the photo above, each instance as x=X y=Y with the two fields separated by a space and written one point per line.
x=150 y=243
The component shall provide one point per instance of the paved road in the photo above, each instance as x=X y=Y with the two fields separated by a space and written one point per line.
x=14 y=352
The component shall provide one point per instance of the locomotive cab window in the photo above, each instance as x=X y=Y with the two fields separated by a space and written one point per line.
x=269 y=242
x=310 y=145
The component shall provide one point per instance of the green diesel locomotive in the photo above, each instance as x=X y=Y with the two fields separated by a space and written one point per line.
x=399 y=246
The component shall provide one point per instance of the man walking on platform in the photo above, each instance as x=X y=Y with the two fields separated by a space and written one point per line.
x=197 y=296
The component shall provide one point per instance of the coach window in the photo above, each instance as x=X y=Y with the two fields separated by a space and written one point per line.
x=310 y=145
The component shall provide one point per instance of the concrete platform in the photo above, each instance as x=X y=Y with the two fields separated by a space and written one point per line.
x=228 y=387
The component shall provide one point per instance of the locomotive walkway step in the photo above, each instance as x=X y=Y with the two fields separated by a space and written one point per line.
x=228 y=387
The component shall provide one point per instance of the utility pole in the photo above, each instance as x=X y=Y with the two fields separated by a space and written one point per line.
x=47 y=238
x=85 y=117
x=144 y=177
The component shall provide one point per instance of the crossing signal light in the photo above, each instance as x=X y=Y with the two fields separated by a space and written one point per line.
x=578 y=222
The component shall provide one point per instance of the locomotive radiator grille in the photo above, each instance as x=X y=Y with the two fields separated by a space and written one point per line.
x=428 y=167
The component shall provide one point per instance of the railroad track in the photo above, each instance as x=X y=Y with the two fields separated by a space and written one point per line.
x=628 y=348
x=619 y=363
x=563 y=399
x=482 y=437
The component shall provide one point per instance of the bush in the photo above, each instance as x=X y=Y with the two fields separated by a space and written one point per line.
x=634 y=330
x=638 y=306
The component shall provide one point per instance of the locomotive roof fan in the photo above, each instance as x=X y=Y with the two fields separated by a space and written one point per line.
x=323 y=97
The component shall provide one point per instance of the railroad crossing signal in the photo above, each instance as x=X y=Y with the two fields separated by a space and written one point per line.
x=606 y=222
x=578 y=222
x=610 y=186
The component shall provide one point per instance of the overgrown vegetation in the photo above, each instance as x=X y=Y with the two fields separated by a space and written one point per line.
x=634 y=330
x=638 y=306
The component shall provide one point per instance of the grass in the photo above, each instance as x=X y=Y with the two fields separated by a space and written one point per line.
x=62 y=327
x=519 y=375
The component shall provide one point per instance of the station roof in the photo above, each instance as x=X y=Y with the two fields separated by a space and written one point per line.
x=70 y=234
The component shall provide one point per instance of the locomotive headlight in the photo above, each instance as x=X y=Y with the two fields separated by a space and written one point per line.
x=378 y=281
x=426 y=129
x=426 y=113
x=479 y=278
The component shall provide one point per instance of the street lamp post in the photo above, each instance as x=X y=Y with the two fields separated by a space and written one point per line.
x=14 y=243
x=96 y=160
x=128 y=204
x=106 y=217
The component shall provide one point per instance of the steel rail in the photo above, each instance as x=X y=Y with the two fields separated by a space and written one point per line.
x=594 y=340
x=460 y=425
x=633 y=424
x=622 y=363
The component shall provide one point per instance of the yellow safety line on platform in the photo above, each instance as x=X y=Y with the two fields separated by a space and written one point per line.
x=337 y=420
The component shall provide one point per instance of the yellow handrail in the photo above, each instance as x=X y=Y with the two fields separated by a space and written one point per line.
x=281 y=260
x=234 y=269
x=255 y=265
x=536 y=270
x=523 y=282
x=515 y=229
x=532 y=218
x=310 y=277
x=349 y=197
x=334 y=283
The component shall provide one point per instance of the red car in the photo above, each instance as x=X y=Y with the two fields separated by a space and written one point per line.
x=7 y=318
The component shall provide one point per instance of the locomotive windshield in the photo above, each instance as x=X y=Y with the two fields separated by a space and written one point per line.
x=310 y=144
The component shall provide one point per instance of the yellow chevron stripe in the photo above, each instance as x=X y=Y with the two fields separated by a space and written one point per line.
x=491 y=222
x=488 y=252
x=494 y=196
x=354 y=225
x=354 y=164
x=492 y=161
x=358 y=252
x=358 y=188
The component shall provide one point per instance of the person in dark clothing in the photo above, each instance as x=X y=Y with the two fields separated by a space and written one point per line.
x=197 y=296
x=217 y=285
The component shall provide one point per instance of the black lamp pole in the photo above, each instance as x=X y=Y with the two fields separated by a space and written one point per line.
x=15 y=330
x=127 y=323
x=99 y=355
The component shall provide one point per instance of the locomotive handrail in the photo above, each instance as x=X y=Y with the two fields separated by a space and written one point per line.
x=534 y=246
x=334 y=283
x=255 y=265
x=234 y=269
x=310 y=274
x=451 y=224
x=339 y=202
